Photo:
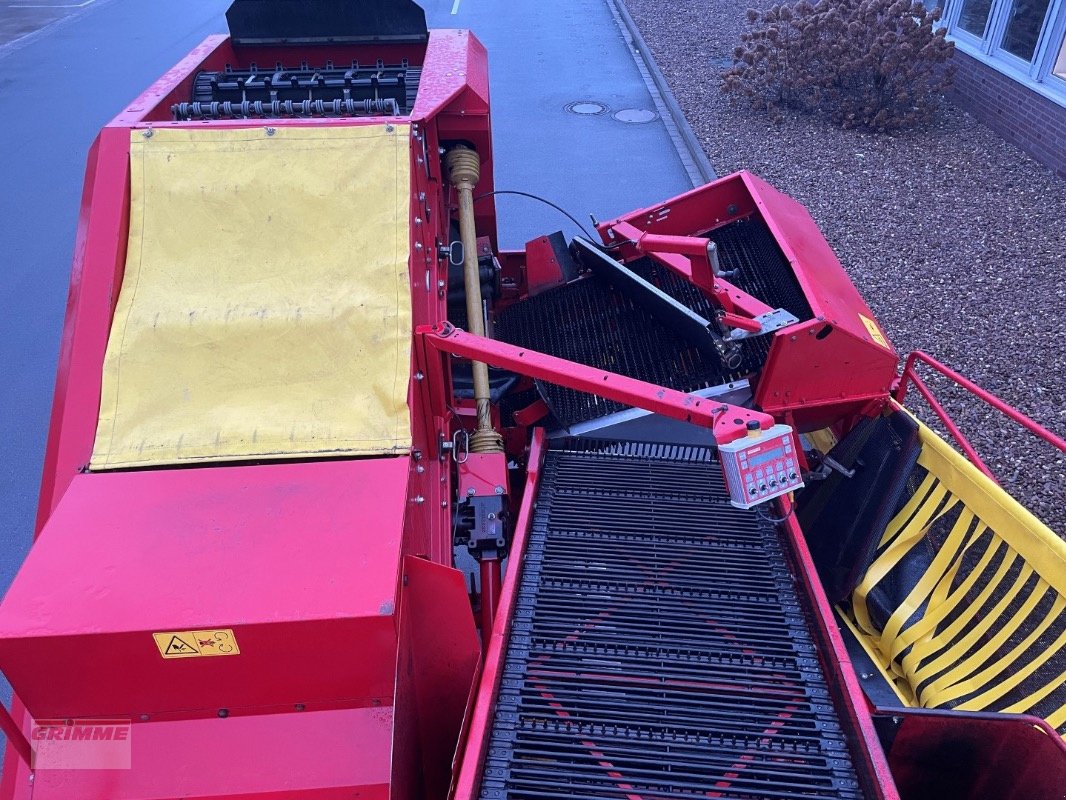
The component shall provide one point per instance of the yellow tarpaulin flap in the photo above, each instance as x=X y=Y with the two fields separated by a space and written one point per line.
x=265 y=310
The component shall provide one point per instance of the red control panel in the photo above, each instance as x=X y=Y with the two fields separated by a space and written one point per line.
x=761 y=466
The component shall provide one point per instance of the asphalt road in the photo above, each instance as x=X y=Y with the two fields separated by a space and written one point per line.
x=66 y=68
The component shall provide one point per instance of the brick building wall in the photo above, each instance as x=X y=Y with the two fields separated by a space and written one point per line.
x=1018 y=114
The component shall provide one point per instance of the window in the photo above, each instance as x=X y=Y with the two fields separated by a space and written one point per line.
x=1021 y=38
x=1024 y=21
x=1059 y=70
x=974 y=16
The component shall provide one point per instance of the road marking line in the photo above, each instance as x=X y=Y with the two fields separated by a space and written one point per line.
x=455 y=6
x=46 y=5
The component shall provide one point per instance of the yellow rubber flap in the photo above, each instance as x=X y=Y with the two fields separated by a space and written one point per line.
x=265 y=310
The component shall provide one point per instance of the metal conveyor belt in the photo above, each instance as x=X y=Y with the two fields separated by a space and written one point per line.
x=659 y=647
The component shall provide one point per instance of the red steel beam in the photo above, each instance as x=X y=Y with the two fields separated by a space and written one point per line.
x=727 y=422
x=910 y=375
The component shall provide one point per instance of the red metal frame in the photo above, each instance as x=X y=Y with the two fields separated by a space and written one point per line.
x=966 y=755
x=727 y=422
x=687 y=256
x=476 y=742
x=837 y=662
x=452 y=105
x=910 y=375
x=837 y=363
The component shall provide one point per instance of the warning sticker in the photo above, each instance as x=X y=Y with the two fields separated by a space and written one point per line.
x=194 y=644
x=875 y=332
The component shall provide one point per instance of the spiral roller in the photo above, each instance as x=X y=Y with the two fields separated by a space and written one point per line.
x=258 y=109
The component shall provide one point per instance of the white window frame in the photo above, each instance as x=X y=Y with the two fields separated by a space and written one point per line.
x=1036 y=75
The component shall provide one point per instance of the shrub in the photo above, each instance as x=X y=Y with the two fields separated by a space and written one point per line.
x=874 y=64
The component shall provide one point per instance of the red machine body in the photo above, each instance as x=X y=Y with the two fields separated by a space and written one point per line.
x=211 y=548
x=329 y=574
x=818 y=369
x=298 y=628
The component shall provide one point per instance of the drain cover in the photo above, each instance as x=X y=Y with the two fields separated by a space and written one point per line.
x=635 y=115
x=588 y=107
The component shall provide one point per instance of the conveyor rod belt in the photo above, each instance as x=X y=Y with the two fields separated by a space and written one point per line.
x=659 y=647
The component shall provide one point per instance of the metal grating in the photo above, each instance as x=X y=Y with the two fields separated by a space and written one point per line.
x=747 y=247
x=658 y=647
x=590 y=322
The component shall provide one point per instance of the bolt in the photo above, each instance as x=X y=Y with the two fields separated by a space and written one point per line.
x=418 y=499
x=389 y=129
x=148 y=134
x=440 y=284
x=418 y=220
x=271 y=131
x=299 y=706
x=419 y=376
x=144 y=717
x=470 y=492
x=499 y=490
x=865 y=676
x=420 y=469
x=418 y=245
x=223 y=712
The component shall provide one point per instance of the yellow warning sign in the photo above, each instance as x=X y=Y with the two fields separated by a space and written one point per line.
x=194 y=644
x=875 y=332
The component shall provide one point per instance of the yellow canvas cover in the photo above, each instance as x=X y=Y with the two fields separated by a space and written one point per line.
x=265 y=310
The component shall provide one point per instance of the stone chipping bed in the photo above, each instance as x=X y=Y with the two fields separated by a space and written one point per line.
x=956 y=238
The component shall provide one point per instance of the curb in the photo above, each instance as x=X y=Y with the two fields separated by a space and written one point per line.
x=696 y=164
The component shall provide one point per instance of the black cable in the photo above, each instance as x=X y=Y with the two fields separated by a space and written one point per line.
x=561 y=210
x=775 y=520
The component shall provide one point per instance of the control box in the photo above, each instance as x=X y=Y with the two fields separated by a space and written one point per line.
x=760 y=466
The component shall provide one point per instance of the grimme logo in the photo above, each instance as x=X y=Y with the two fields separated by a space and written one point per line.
x=81 y=743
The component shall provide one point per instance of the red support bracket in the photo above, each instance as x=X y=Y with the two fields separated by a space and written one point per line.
x=689 y=257
x=727 y=422
x=15 y=736
x=910 y=375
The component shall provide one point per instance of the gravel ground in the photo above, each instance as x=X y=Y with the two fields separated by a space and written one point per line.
x=956 y=238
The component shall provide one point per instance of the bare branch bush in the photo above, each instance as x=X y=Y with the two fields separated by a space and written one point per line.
x=873 y=64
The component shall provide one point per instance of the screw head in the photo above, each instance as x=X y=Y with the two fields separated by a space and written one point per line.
x=499 y=490
x=271 y=131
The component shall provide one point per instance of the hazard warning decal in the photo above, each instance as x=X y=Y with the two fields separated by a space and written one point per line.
x=194 y=644
x=874 y=331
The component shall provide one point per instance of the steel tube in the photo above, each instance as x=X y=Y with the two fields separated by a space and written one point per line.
x=464 y=168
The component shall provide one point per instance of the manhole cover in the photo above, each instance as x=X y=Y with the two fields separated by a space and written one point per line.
x=586 y=107
x=635 y=115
